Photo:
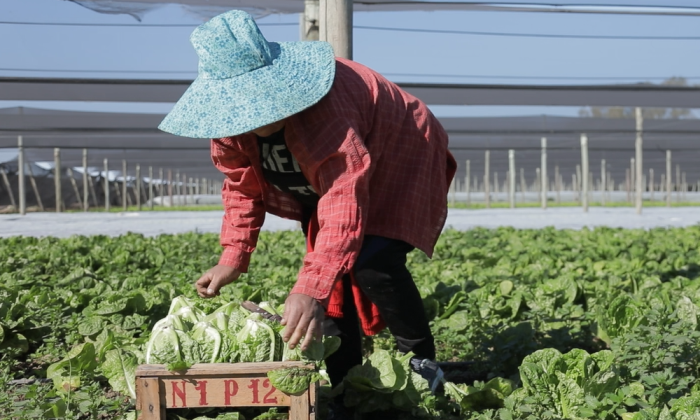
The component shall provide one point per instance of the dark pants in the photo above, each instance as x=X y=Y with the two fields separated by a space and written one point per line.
x=381 y=273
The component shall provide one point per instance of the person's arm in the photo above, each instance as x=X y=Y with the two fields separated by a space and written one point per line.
x=342 y=211
x=243 y=217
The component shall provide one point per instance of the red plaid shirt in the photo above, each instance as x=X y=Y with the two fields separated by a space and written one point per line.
x=376 y=156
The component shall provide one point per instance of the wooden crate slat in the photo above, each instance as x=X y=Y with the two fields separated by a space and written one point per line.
x=218 y=369
x=313 y=402
x=148 y=401
x=188 y=392
x=300 y=407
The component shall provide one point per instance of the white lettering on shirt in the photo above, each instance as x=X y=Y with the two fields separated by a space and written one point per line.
x=281 y=161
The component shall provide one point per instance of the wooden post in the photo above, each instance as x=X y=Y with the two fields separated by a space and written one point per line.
x=93 y=193
x=466 y=183
x=584 y=171
x=190 y=187
x=538 y=183
x=86 y=203
x=336 y=25
x=511 y=177
x=522 y=183
x=487 y=187
x=633 y=180
x=117 y=190
x=651 y=184
x=678 y=183
x=638 y=156
x=8 y=187
x=543 y=174
x=603 y=182
x=557 y=183
x=495 y=186
x=125 y=191
x=150 y=187
x=170 y=186
x=663 y=188
x=138 y=187
x=184 y=189
x=577 y=185
x=628 y=182
x=452 y=192
x=684 y=187
x=32 y=181
x=75 y=187
x=57 y=178
x=106 y=184
x=560 y=188
x=20 y=174
x=161 y=187
x=178 y=194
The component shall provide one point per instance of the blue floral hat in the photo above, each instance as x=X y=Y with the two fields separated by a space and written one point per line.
x=245 y=82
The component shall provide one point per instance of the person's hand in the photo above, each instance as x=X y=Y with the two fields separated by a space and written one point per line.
x=213 y=280
x=303 y=317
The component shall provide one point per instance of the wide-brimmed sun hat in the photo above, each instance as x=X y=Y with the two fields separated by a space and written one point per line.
x=246 y=82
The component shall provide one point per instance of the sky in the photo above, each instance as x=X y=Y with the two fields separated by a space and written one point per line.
x=164 y=52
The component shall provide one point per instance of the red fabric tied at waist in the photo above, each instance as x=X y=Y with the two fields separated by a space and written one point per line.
x=368 y=313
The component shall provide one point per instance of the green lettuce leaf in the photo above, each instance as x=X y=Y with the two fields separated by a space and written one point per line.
x=293 y=380
x=119 y=368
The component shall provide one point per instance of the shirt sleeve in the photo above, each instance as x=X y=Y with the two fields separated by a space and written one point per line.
x=342 y=212
x=242 y=198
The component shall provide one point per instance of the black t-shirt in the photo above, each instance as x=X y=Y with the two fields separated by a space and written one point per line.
x=282 y=170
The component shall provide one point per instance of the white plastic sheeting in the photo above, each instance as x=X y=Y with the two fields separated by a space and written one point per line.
x=209 y=8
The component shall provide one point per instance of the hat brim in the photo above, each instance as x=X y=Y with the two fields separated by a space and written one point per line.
x=301 y=74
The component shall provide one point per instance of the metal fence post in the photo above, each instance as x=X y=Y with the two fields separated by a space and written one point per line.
x=639 y=186
x=57 y=177
x=543 y=174
x=106 y=184
x=22 y=188
x=584 y=171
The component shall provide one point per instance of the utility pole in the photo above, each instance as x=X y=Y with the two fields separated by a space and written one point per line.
x=309 y=21
x=335 y=26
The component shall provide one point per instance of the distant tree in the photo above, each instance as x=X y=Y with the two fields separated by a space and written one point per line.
x=650 y=113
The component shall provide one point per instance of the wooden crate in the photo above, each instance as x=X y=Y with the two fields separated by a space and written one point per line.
x=218 y=385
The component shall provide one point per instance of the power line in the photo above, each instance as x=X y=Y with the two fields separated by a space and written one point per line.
x=486 y=76
x=466 y=76
x=101 y=71
x=382 y=28
x=526 y=35
x=131 y=25
x=543 y=7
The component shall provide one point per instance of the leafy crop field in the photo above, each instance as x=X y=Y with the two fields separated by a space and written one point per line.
x=599 y=324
